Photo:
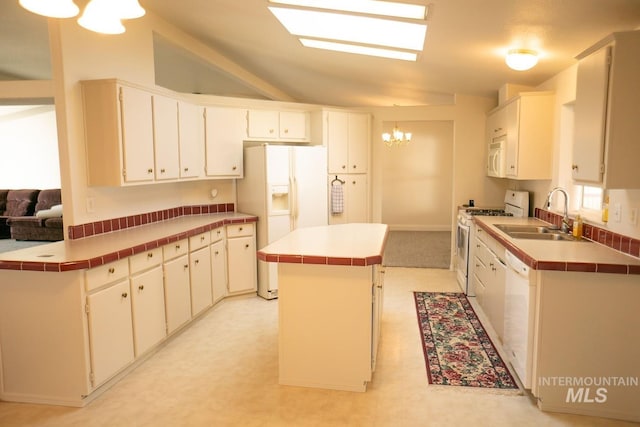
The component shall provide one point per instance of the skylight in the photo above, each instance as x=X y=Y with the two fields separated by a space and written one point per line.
x=359 y=33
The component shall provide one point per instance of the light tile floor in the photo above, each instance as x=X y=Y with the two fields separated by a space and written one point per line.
x=223 y=371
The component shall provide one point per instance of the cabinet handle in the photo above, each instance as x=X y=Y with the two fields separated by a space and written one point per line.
x=344 y=166
x=493 y=268
x=149 y=170
x=353 y=182
x=240 y=229
x=141 y=288
x=186 y=169
x=246 y=246
x=574 y=167
x=177 y=247
x=124 y=295
x=150 y=255
x=286 y=131
x=234 y=168
x=202 y=238
x=497 y=130
x=271 y=130
x=112 y=270
x=491 y=265
x=196 y=262
x=161 y=170
x=512 y=167
x=216 y=253
x=186 y=266
x=354 y=166
x=478 y=246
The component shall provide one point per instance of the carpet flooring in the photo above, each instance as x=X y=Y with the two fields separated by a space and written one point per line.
x=457 y=348
x=418 y=249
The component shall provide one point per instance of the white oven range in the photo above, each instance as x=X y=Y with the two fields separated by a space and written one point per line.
x=516 y=204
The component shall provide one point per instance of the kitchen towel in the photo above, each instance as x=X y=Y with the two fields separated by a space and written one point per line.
x=337 y=198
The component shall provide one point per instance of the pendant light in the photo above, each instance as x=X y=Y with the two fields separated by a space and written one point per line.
x=51 y=8
x=100 y=16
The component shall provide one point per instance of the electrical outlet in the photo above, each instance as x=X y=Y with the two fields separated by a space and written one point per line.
x=633 y=216
x=90 y=206
x=617 y=212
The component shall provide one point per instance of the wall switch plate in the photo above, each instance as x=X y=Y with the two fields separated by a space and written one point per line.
x=617 y=212
x=633 y=216
x=90 y=206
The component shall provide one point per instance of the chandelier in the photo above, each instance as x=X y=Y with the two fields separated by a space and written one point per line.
x=396 y=137
x=101 y=16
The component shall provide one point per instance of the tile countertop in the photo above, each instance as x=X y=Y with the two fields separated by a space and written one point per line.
x=101 y=249
x=559 y=255
x=343 y=244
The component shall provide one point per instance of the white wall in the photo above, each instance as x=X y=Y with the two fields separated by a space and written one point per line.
x=28 y=147
x=417 y=178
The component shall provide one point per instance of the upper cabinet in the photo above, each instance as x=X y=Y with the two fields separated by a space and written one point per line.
x=347 y=138
x=526 y=123
x=165 y=137
x=191 y=132
x=268 y=125
x=605 y=150
x=224 y=132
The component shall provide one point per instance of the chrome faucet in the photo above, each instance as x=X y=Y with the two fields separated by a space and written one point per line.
x=565 y=219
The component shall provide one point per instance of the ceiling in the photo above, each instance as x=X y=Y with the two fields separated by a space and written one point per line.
x=463 y=51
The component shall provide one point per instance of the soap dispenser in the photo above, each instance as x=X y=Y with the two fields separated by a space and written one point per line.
x=577 y=227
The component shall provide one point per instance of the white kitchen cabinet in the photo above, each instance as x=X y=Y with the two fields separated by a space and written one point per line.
x=376 y=310
x=356 y=199
x=177 y=292
x=165 y=138
x=148 y=310
x=527 y=122
x=118 y=123
x=489 y=274
x=241 y=255
x=607 y=102
x=347 y=137
x=218 y=264
x=200 y=273
x=110 y=331
x=272 y=125
x=191 y=139
x=225 y=129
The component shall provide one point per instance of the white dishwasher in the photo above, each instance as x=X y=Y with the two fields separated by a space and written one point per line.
x=519 y=311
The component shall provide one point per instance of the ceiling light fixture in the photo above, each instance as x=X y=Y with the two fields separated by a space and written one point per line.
x=521 y=59
x=366 y=27
x=396 y=137
x=101 y=16
x=383 y=8
x=358 y=49
x=51 y=8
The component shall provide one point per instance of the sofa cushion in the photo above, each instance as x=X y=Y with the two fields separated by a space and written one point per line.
x=48 y=199
x=21 y=202
x=54 y=212
x=25 y=221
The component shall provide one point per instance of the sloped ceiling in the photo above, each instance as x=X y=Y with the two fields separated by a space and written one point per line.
x=463 y=51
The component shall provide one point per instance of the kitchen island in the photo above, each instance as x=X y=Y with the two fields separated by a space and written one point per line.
x=330 y=302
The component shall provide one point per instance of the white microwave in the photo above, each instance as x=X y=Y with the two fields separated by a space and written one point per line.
x=497 y=159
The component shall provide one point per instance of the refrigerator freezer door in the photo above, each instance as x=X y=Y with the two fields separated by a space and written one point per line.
x=309 y=207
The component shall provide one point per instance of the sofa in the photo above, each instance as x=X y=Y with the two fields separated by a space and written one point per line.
x=31 y=215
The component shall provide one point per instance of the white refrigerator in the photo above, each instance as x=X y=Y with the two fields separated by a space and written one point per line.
x=285 y=187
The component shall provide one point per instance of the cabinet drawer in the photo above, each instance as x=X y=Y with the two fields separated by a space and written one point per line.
x=145 y=260
x=105 y=274
x=199 y=241
x=239 y=230
x=217 y=234
x=174 y=250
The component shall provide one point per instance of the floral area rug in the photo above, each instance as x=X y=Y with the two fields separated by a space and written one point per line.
x=457 y=349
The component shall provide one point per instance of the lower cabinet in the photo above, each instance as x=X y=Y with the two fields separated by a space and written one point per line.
x=218 y=270
x=110 y=331
x=200 y=270
x=147 y=306
x=241 y=255
x=355 y=199
x=177 y=292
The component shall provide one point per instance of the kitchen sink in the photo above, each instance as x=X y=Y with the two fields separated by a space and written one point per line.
x=537 y=232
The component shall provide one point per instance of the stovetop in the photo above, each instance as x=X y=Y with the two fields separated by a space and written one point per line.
x=487 y=212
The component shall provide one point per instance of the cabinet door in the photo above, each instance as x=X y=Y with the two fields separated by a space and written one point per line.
x=358 y=199
x=263 y=124
x=337 y=141
x=293 y=125
x=512 y=111
x=165 y=137
x=177 y=292
x=147 y=303
x=241 y=253
x=218 y=270
x=200 y=269
x=496 y=292
x=225 y=129
x=137 y=134
x=358 y=147
x=191 y=139
x=110 y=331
x=590 y=115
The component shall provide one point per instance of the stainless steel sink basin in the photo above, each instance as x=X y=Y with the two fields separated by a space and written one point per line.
x=537 y=232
